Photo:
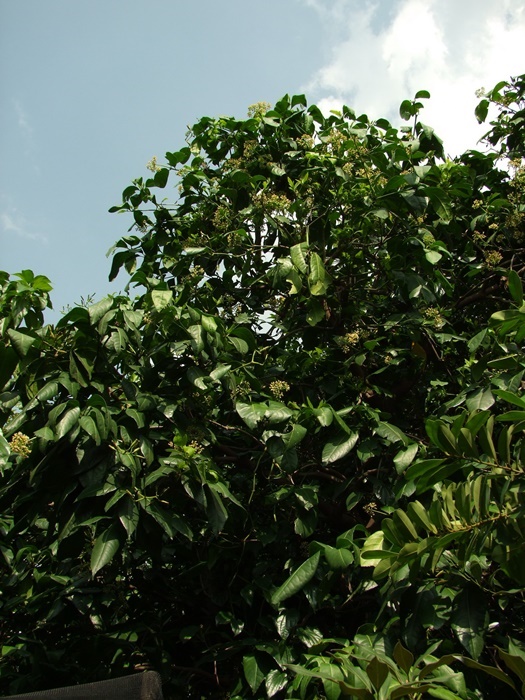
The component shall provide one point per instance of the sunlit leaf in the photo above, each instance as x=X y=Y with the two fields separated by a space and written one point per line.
x=298 y=254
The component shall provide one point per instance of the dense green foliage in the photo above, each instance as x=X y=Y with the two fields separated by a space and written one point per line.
x=290 y=461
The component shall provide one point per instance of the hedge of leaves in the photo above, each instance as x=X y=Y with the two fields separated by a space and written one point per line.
x=289 y=461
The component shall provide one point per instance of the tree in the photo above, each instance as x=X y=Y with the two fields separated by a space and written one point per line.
x=288 y=462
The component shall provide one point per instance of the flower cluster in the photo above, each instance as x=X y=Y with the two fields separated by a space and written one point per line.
x=306 y=142
x=336 y=141
x=371 y=508
x=152 y=165
x=278 y=388
x=272 y=201
x=259 y=109
x=493 y=258
x=196 y=447
x=222 y=218
x=233 y=164
x=276 y=302
x=515 y=220
x=348 y=341
x=434 y=316
x=249 y=148
x=20 y=445
x=517 y=183
x=195 y=274
x=234 y=238
x=242 y=388
x=506 y=100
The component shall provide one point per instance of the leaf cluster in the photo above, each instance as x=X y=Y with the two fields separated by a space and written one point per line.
x=288 y=461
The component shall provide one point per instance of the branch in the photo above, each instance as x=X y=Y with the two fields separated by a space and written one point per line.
x=482 y=293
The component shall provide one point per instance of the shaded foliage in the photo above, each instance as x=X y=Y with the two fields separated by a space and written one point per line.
x=289 y=461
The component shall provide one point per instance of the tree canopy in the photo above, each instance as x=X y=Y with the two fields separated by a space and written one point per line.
x=289 y=461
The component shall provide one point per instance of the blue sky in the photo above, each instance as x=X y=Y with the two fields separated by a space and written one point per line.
x=90 y=91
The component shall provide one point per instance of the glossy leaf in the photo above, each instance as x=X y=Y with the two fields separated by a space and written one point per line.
x=390 y=432
x=22 y=342
x=69 y=419
x=404 y=458
x=296 y=581
x=339 y=447
x=252 y=672
x=298 y=254
x=469 y=621
x=106 y=546
x=338 y=558
x=128 y=513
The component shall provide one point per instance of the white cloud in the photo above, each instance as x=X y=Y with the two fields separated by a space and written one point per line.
x=14 y=224
x=381 y=55
x=22 y=118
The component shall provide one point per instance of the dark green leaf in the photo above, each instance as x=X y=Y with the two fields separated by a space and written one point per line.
x=515 y=287
x=275 y=681
x=251 y=413
x=440 y=201
x=404 y=458
x=391 y=433
x=339 y=447
x=297 y=581
x=477 y=340
x=252 y=672
x=377 y=671
x=277 y=412
x=470 y=620
x=105 y=547
x=240 y=345
x=479 y=400
x=128 y=513
x=405 y=110
x=338 y=558
x=215 y=510
x=170 y=522
x=403 y=657
x=67 y=422
x=481 y=110
x=98 y=310
x=22 y=342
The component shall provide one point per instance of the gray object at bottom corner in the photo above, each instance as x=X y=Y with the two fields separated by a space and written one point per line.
x=140 y=686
